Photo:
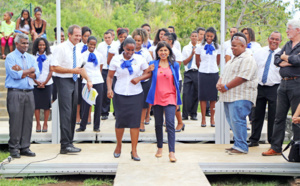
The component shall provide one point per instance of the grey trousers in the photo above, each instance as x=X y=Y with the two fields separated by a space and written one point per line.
x=20 y=108
x=67 y=91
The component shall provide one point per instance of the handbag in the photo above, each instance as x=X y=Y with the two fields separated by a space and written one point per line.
x=294 y=155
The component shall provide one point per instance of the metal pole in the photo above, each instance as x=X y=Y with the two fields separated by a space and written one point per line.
x=30 y=9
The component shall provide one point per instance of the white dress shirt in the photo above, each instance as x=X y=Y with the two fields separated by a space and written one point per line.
x=52 y=49
x=152 y=49
x=178 y=57
x=254 y=46
x=147 y=56
x=45 y=70
x=93 y=71
x=80 y=46
x=208 y=62
x=123 y=84
x=261 y=57
x=102 y=49
x=177 y=45
x=186 y=52
x=145 y=46
x=63 y=57
x=115 y=46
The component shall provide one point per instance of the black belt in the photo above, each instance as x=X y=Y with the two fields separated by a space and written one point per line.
x=21 y=90
x=289 y=78
x=193 y=70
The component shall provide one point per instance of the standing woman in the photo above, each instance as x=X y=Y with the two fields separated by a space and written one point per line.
x=115 y=49
x=24 y=23
x=82 y=47
x=128 y=94
x=164 y=95
x=140 y=36
x=39 y=24
x=208 y=60
x=93 y=69
x=251 y=43
x=43 y=85
x=158 y=37
x=7 y=31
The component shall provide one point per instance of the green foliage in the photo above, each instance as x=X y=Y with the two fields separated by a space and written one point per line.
x=28 y=181
x=3 y=155
x=93 y=182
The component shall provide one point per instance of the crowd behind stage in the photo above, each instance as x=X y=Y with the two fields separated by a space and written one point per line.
x=142 y=77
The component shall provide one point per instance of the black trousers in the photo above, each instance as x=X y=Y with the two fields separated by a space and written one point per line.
x=20 y=108
x=288 y=96
x=190 y=93
x=97 y=112
x=105 y=100
x=54 y=89
x=266 y=95
x=67 y=91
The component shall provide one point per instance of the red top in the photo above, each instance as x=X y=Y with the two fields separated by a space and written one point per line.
x=165 y=93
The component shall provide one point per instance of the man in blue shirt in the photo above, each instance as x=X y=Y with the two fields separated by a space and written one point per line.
x=21 y=69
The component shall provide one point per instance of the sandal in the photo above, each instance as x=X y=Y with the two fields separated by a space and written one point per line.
x=3 y=56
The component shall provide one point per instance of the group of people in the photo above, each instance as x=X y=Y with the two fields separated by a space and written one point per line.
x=138 y=73
x=36 y=28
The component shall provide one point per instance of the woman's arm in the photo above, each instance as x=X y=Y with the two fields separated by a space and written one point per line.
x=218 y=59
x=48 y=77
x=109 y=79
x=198 y=60
x=43 y=29
x=296 y=118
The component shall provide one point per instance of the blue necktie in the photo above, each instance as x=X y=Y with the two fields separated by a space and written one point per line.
x=139 y=52
x=93 y=59
x=190 y=63
x=249 y=45
x=84 y=48
x=108 y=47
x=127 y=64
x=267 y=67
x=40 y=60
x=75 y=76
x=209 y=49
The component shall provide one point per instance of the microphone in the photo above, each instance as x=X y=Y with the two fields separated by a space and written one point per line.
x=83 y=63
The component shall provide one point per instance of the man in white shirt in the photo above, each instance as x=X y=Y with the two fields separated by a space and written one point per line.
x=269 y=80
x=104 y=48
x=177 y=45
x=67 y=65
x=190 y=84
x=227 y=44
x=147 y=27
x=201 y=32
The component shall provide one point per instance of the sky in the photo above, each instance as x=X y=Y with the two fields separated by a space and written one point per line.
x=290 y=8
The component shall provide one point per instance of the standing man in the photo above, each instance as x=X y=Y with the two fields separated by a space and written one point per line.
x=67 y=65
x=201 y=32
x=104 y=48
x=269 y=80
x=190 y=84
x=238 y=87
x=227 y=44
x=288 y=94
x=21 y=68
x=177 y=45
x=147 y=27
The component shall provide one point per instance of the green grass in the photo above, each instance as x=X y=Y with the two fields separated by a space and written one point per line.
x=28 y=181
x=93 y=181
x=3 y=155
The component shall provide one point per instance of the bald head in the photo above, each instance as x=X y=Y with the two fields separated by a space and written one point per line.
x=238 y=45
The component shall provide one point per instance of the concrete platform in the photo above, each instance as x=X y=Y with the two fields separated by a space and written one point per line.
x=98 y=159
x=192 y=133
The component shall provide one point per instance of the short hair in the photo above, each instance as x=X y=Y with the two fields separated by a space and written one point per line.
x=172 y=28
x=127 y=41
x=37 y=9
x=85 y=29
x=276 y=33
x=295 y=23
x=35 y=46
x=107 y=32
x=140 y=32
x=21 y=36
x=170 y=37
x=239 y=34
x=235 y=28
x=215 y=40
x=71 y=29
x=110 y=30
x=200 y=28
x=171 y=56
x=194 y=32
x=61 y=28
x=92 y=38
x=121 y=31
x=156 y=39
x=146 y=24
x=250 y=32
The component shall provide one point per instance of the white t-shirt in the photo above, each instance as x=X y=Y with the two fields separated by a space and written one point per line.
x=93 y=71
x=45 y=70
x=208 y=62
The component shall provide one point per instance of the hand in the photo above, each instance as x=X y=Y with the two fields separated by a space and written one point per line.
x=6 y=37
x=193 y=51
x=222 y=88
x=151 y=68
x=110 y=94
x=284 y=64
x=31 y=75
x=177 y=107
x=135 y=81
x=89 y=85
x=284 y=57
x=296 y=120
x=32 y=69
x=16 y=68
x=76 y=70
x=218 y=86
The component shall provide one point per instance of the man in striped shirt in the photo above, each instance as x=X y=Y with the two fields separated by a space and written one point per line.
x=238 y=87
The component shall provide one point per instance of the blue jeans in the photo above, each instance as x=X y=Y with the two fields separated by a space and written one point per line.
x=236 y=113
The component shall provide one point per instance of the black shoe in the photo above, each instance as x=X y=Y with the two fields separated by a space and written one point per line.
x=15 y=154
x=207 y=114
x=253 y=144
x=185 y=118
x=104 y=117
x=194 y=118
x=96 y=130
x=69 y=150
x=27 y=152
x=80 y=130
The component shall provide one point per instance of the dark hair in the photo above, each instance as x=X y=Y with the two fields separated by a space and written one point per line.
x=127 y=41
x=235 y=28
x=141 y=32
x=171 y=57
x=55 y=29
x=194 y=32
x=170 y=37
x=215 y=40
x=107 y=32
x=200 y=28
x=35 y=47
x=146 y=24
x=276 y=33
x=22 y=21
x=85 y=29
x=251 y=34
x=92 y=38
x=10 y=14
x=156 y=39
x=71 y=29
x=240 y=34
x=121 y=31
x=37 y=9
x=172 y=28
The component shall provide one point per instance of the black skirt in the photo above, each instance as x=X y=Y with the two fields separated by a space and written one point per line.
x=207 y=86
x=146 y=87
x=42 y=97
x=128 y=110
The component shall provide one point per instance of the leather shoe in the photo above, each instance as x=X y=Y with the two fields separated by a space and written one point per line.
x=104 y=117
x=271 y=152
x=69 y=150
x=185 y=118
x=253 y=144
x=96 y=130
x=15 y=154
x=80 y=130
x=27 y=152
x=234 y=151
x=194 y=118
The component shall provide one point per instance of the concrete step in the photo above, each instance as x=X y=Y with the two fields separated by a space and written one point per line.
x=2 y=102
x=3 y=111
x=2 y=78
x=2 y=63
x=2 y=86
x=4 y=118
x=3 y=94
x=2 y=71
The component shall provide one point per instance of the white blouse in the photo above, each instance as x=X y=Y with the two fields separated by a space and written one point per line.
x=208 y=62
x=178 y=57
x=102 y=49
x=45 y=70
x=93 y=71
x=123 y=84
